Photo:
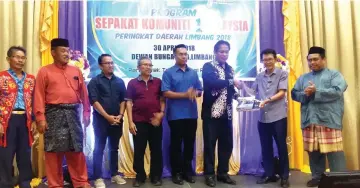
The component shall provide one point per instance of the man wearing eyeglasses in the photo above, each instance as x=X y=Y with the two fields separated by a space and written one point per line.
x=270 y=87
x=321 y=94
x=145 y=109
x=106 y=94
x=16 y=130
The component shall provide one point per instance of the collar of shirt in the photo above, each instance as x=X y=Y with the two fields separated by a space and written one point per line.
x=276 y=71
x=61 y=67
x=103 y=76
x=139 y=78
x=318 y=72
x=179 y=68
x=12 y=73
x=222 y=65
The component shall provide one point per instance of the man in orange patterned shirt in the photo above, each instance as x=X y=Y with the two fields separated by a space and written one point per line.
x=16 y=91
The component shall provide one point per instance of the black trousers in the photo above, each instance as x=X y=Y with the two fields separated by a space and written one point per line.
x=148 y=133
x=220 y=130
x=278 y=131
x=17 y=142
x=104 y=131
x=183 y=132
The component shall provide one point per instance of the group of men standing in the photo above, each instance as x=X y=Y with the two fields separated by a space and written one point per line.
x=59 y=99
x=52 y=99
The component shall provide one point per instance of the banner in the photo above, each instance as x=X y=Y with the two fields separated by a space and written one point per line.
x=128 y=30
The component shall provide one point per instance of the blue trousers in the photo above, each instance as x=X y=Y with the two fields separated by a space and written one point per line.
x=278 y=131
x=17 y=143
x=103 y=132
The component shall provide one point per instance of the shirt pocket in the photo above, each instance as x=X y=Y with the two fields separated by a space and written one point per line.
x=72 y=81
x=178 y=79
x=329 y=117
x=103 y=90
x=192 y=79
x=326 y=84
x=323 y=116
x=75 y=82
x=117 y=92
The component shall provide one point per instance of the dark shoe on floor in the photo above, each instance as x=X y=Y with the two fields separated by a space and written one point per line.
x=226 y=179
x=177 y=179
x=137 y=183
x=156 y=182
x=267 y=179
x=210 y=181
x=313 y=183
x=189 y=178
x=285 y=183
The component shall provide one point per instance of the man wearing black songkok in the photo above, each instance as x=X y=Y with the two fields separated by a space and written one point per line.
x=321 y=94
x=60 y=91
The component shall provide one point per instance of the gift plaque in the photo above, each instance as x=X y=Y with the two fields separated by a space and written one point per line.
x=248 y=104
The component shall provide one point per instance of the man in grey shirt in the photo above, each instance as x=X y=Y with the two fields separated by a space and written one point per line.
x=270 y=87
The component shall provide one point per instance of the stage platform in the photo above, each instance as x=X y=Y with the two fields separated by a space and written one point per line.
x=297 y=180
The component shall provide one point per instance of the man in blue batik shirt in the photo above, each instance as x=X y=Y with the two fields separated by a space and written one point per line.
x=219 y=93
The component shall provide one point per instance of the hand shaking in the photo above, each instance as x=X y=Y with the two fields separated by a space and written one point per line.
x=238 y=84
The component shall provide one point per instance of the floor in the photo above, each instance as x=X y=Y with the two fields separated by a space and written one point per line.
x=297 y=180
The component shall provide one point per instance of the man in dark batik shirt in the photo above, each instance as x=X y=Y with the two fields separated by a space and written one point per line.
x=219 y=92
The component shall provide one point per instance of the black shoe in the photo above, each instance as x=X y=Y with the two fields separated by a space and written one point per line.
x=177 y=179
x=156 y=182
x=226 y=179
x=189 y=178
x=137 y=183
x=284 y=183
x=210 y=181
x=313 y=183
x=267 y=179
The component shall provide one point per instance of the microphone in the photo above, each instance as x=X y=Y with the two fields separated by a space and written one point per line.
x=76 y=78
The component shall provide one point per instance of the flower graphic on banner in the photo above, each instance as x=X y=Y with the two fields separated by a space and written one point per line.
x=77 y=59
x=282 y=63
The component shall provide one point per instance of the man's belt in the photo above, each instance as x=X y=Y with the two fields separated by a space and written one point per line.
x=19 y=112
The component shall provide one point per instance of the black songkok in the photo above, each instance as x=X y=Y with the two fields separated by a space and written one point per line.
x=59 y=42
x=316 y=50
